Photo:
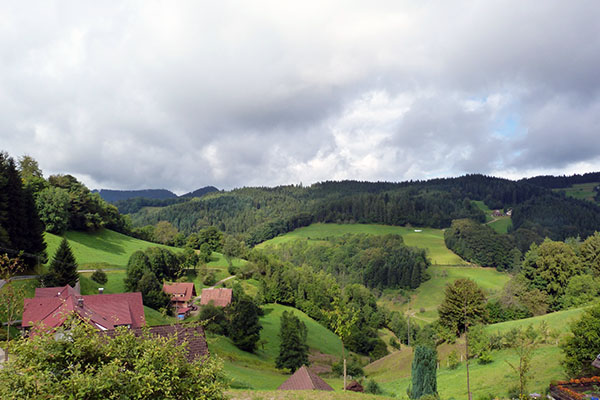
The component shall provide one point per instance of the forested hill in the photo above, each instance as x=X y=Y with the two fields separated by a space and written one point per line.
x=115 y=195
x=559 y=182
x=260 y=213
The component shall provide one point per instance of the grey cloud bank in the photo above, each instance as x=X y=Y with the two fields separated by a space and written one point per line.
x=180 y=95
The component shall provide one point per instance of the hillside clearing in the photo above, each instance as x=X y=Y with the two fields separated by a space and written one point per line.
x=429 y=239
x=101 y=249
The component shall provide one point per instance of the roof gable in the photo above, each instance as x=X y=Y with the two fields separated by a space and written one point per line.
x=180 y=291
x=305 y=379
x=220 y=297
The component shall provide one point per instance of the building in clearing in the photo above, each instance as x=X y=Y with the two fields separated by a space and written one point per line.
x=182 y=295
x=304 y=379
x=51 y=306
x=219 y=297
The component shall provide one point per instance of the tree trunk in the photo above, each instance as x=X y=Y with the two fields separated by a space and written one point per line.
x=467 y=355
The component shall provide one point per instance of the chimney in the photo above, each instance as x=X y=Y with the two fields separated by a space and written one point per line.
x=80 y=302
x=100 y=290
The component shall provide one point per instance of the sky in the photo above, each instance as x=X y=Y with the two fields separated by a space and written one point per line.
x=185 y=94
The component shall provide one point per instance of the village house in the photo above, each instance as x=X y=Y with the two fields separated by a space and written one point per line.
x=182 y=296
x=218 y=297
x=51 y=306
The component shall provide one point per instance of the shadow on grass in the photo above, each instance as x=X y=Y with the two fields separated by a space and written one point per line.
x=98 y=242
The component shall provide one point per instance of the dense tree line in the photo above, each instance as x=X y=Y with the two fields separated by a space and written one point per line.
x=258 y=214
x=372 y=260
x=21 y=230
x=315 y=292
x=563 y=181
x=482 y=245
x=557 y=216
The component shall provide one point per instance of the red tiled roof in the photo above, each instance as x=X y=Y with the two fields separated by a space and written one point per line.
x=304 y=379
x=219 y=297
x=104 y=311
x=180 y=291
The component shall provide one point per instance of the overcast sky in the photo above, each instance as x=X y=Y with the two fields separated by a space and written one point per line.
x=180 y=95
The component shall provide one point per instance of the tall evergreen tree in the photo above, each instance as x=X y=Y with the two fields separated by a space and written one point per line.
x=21 y=230
x=245 y=326
x=293 y=350
x=423 y=377
x=63 y=268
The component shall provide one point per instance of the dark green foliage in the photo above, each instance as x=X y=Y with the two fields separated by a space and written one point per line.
x=99 y=276
x=353 y=367
x=165 y=264
x=373 y=387
x=293 y=350
x=136 y=266
x=20 y=227
x=423 y=375
x=244 y=328
x=212 y=237
x=549 y=267
x=152 y=294
x=374 y=261
x=453 y=360
x=63 y=267
x=214 y=319
x=463 y=306
x=582 y=347
x=482 y=245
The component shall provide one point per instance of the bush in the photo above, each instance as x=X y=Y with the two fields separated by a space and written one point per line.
x=209 y=279
x=373 y=387
x=394 y=343
x=453 y=361
x=485 y=358
x=353 y=367
x=99 y=276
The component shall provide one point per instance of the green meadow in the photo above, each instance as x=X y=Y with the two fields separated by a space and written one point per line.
x=429 y=239
x=102 y=249
x=425 y=300
x=499 y=224
x=393 y=372
x=257 y=370
x=582 y=191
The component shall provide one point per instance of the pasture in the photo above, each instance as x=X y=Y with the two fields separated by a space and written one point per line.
x=429 y=239
x=102 y=249
x=582 y=191
x=425 y=300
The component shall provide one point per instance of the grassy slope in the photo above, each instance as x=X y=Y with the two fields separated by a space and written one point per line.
x=300 y=395
x=500 y=225
x=430 y=294
x=242 y=367
x=393 y=372
x=104 y=248
x=430 y=239
x=583 y=191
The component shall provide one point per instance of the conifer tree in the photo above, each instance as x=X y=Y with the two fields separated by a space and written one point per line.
x=293 y=350
x=245 y=326
x=63 y=268
x=424 y=379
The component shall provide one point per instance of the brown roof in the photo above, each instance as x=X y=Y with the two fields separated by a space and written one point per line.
x=193 y=335
x=304 y=379
x=219 y=297
x=180 y=291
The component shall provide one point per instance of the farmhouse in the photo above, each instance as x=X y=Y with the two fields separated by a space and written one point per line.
x=182 y=294
x=218 y=297
x=51 y=306
x=304 y=379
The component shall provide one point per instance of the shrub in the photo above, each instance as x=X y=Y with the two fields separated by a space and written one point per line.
x=453 y=361
x=210 y=278
x=99 y=276
x=373 y=387
x=394 y=343
x=485 y=358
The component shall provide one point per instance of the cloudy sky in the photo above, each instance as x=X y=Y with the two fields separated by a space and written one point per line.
x=179 y=95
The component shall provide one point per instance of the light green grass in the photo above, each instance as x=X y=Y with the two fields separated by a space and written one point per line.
x=301 y=395
x=115 y=283
x=486 y=210
x=102 y=249
x=582 y=191
x=501 y=225
x=429 y=239
x=430 y=294
x=257 y=370
x=154 y=317
x=559 y=321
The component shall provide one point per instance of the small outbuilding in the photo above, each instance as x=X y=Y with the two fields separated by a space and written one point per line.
x=354 y=386
x=305 y=379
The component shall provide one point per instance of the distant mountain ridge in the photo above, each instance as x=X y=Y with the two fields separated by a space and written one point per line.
x=113 y=196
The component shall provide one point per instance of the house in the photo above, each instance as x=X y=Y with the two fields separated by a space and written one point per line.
x=182 y=295
x=497 y=213
x=219 y=297
x=304 y=379
x=51 y=307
